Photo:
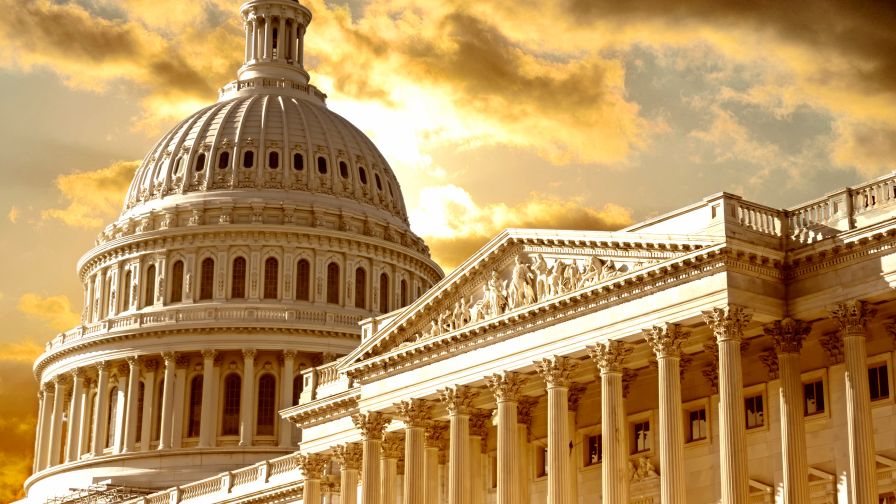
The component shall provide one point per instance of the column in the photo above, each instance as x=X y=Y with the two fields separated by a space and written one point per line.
x=348 y=456
x=149 y=397
x=524 y=455
x=207 y=414
x=248 y=29
x=287 y=370
x=479 y=422
x=102 y=408
x=415 y=413
x=268 y=37
x=54 y=447
x=120 y=396
x=38 y=431
x=281 y=37
x=46 y=424
x=576 y=391
x=74 y=415
x=458 y=401
x=788 y=336
x=86 y=409
x=130 y=417
x=608 y=357
x=852 y=318
x=372 y=426
x=312 y=466
x=506 y=388
x=728 y=324
x=248 y=395
x=665 y=341
x=435 y=433
x=392 y=448
x=555 y=372
x=167 y=400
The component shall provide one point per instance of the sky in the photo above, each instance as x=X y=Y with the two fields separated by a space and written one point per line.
x=587 y=114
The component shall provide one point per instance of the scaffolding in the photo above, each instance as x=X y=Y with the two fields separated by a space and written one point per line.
x=100 y=494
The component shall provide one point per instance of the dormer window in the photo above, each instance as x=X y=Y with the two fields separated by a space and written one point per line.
x=362 y=175
x=248 y=159
x=322 y=165
x=178 y=165
x=298 y=161
x=273 y=160
x=224 y=160
x=343 y=169
x=200 y=162
x=379 y=184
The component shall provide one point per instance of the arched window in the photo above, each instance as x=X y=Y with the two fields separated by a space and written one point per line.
x=206 y=278
x=113 y=414
x=200 y=162
x=149 y=296
x=224 y=159
x=177 y=282
x=230 y=416
x=379 y=184
x=362 y=175
x=271 y=269
x=384 y=293
x=333 y=283
x=238 y=281
x=141 y=392
x=107 y=291
x=195 y=410
x=403 y=292
x=126 y=291
x=343 y=169
x=273 y=160
x=298 y=161
x=391 y=194
x=297 y=385
x=178 y=165
x=322 y=165
x=266 y=394
x=303 y=280
x=248 y=159
x=360 y=288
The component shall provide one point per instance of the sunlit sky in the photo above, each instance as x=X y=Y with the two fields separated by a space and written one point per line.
x=552 y=113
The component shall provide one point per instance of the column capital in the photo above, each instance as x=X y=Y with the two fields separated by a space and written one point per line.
x=312 y=465
x=479 y=422
x=555 y=370
x=833 y=345
x=182 y=361
x=575 y=394
x=349 y=455
x=77 y=373
x=88 y=382
x=787 y=334
x=435 y=432
x=665 y=340
x=133 y=361
x=371 y=424
x=123 y=369
x=628 y=378
x=249 y=354
x=727 y=322
x=524 y=408
x=169 y=358
x=150 y=364
x=393 y=446
x=770 y=360
x=609 y=356
x=61 y=380
x=415 y=412
x=209 y=354
x=458 y=399
x=505 y=386
x=289 y=354
x=101 y=366
x=852 y=317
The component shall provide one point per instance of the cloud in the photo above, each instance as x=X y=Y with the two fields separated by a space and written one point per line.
x=454 y=225
x=13 y=215
x=869 y=146
x=56 y=311
x=93 y=196
x=18 y=415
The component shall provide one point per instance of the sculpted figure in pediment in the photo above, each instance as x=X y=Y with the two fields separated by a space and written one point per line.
x=541 y=271
x=461 y=313
x=571 y=276
x=521 y=292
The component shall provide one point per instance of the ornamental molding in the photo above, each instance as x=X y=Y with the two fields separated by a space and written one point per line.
x=324 y=410
x=852 y=246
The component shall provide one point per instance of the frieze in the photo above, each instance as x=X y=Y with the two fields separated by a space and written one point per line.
x=324 y=410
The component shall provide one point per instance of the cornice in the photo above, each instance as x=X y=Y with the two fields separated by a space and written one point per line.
x=841 y=249
x=325 y=409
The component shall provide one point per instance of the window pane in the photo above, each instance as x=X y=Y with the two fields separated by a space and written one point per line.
x=271 y=273
x=238 y=284
x=265 y=417
x=360 y=288
x=177 y=282
x=230 y=416
x=303 y=281
x=195 y=407
x=207 y=278
x=333 y=283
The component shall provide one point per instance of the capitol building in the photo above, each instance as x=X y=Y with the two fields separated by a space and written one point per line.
x=261 y=325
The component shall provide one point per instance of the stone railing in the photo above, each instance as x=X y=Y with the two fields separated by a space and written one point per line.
x=268 y=83
x=269 y=473
x=758 y=218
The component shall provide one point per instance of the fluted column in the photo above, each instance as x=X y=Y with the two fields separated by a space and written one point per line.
x=84 y=431
x=46 y=424
x=506 y=388
x=608 y=358
x=207 y=413
x=788 y=336
x=458 y=401
x=728 y=324
x=555 y=372
x=852 y=318
x=665 y=341
x=120 y=408
x=392 y=448
x=312 y=466
x=248 y=392
x=102 y=408
x=479 y=422
x=281 y=36
x=149 y=396
x=524 y=409
x=372 y=426
x=415 y=413
x=434 y=432
x=268 y=37
x=56 y=443
x=74 y=415
x=167 y=400
x=348 y=456
x=286 y=392
x=38 y=430
x=130 y=417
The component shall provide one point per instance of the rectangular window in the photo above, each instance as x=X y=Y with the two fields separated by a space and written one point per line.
x=697 y=427
x=593 y=449
x=813 y=398
x=755 y=411
x=494 y=470
x=641 y=434
x=878 y=381
x=541 y=461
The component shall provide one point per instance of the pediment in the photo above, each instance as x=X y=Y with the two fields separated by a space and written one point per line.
x=517 y=270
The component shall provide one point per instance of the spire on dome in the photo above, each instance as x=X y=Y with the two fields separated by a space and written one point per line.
x=275 y=32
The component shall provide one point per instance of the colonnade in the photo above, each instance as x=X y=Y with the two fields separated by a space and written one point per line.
x=272 y=37
x=468 y=426
x=122 y=406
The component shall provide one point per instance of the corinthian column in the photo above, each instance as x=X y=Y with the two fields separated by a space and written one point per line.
x=248 y=395
x=666 y=343
x=312 y=467
x=415 y=414
x=506 y=388
x=130 y=415
x=206 y=423
x=524 y=409
x=372 y=426
x=392 y=448
x=348 y=456
x=45 y=426
x=286 y=388
x=555 y=372
x=862 y=465
x=458 y=401
x=170 y=359
x=608 y=358
x=728 y=327
x=788 y=336
x=479 y=422
x=435 y=432
x=576 y=391
x=74 y=415
x=102 y=408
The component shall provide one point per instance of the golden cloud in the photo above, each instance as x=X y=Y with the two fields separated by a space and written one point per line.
x=454 y=226
x=13 y=215
x=18 y=415
x=56 y=311
x=93 y=196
